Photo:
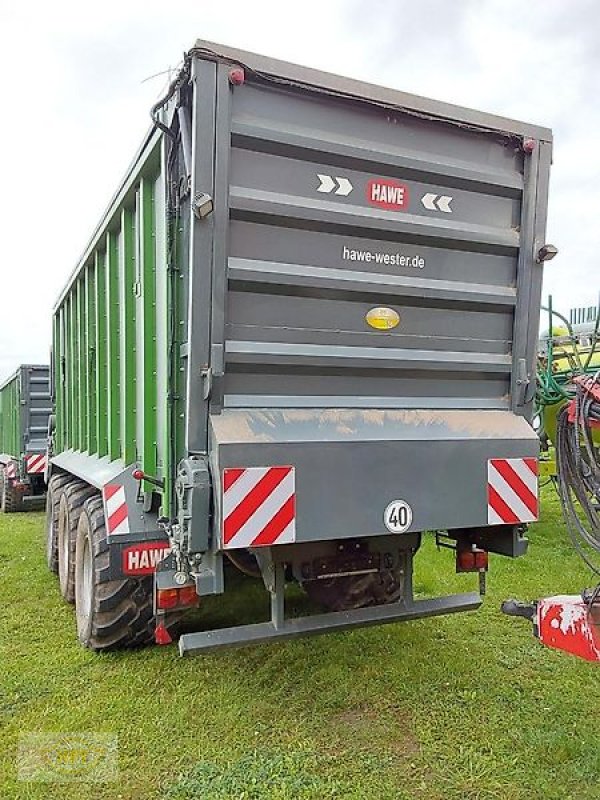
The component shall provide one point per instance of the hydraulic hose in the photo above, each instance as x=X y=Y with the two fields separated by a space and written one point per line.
x=578 y=464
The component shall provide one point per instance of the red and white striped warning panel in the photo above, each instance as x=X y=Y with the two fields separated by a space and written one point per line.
x=259 y=506
x=512 y=490
x=115 y=507
x=35 y=464
x=11 y=470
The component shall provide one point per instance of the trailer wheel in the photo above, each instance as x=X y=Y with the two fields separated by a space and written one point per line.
x=70 y=506
x=111 y=614
x=357 y=591
x=56 y=486
x=10 y=501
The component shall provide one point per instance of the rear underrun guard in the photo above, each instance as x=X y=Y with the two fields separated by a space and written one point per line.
x=280 y=628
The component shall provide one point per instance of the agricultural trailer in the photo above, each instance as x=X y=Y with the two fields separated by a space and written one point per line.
x=24 y=411
x=302 y=335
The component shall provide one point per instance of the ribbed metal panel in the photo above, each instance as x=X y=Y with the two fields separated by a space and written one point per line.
x=24 y=411
x=305 y=265
x=106 y=332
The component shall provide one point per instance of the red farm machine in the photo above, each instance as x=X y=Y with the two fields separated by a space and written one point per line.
x=568 y=401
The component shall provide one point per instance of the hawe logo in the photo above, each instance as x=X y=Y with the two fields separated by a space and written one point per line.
x=142 y=559
x=387 y=193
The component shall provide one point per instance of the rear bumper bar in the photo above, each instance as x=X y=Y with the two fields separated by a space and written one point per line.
x=205 y=641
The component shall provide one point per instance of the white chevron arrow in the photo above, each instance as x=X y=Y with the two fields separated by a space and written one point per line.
x=327 y=184
x=443 y=204
x=345 y=187
x=434 y=202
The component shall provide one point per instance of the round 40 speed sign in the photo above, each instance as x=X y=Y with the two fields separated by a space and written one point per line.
x=398 y=516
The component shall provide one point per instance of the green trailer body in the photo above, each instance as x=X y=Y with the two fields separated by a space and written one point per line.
x=24 y=412
x=11 y=439
x=309 y=300
x=111 y=349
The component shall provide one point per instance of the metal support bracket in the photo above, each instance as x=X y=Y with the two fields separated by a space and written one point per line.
x=193 y=487
x=278 y=597
x=523 y=381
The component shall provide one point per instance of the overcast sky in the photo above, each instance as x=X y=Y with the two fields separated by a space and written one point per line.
x=76 y=99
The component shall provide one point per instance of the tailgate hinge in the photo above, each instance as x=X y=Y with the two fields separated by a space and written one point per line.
x=206 y=374
x=522 y=383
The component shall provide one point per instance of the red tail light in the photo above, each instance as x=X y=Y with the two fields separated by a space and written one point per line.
x=471 y=560
x=188 y=596
x=167 y=598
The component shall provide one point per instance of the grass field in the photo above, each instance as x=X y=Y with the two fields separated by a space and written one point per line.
x=467 y=706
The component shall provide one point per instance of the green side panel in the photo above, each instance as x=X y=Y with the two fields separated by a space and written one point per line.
x=114 y=354
x=55 y=366
x=146 y=293
x=84 y=362
x=10 y=418
x=62 y=397
x=90 y=320
x=101 y=359
x=65 y=412
x=59 y=378
x=16 y=429
x=66 y=371
x=81 y=365
x=127 y=253
x=73 y=370
x=116 y=336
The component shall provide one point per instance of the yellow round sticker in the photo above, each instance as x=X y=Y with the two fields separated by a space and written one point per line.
x=382 y=319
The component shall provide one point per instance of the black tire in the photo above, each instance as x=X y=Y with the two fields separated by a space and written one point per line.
x=70 y=506
x=357 y=591
x=1 y=488
x=111 y=614
x=55 y=487
x=11 y=499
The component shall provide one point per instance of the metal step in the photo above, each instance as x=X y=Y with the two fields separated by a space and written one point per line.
x=205 y=641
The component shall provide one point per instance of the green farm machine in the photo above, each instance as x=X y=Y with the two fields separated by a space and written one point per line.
x=24 y=411
x=568 y=348
x=568 y=421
